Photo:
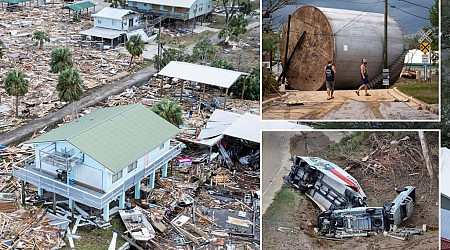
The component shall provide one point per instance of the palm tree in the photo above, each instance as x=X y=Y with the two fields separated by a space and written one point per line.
x=170 y=111
x=16 y=85
x=135 y=46
x=61 y=59
x=40 y=37
x=69 y=87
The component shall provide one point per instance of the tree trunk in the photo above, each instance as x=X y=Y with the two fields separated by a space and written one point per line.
x=243 y=87
x=17 y=106
x=131 y=60
x=431 y=172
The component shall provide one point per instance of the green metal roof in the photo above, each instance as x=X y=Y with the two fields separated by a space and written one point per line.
x=14 y=1
x=114 y=137
x=80 y=6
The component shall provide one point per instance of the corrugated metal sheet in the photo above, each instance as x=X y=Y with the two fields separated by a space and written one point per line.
x=445 y=244
x=113 y=13
x=199 y=73
x=248 y=127
x=114 y=137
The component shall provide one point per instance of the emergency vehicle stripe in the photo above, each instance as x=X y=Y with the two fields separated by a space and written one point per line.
x=345 y=179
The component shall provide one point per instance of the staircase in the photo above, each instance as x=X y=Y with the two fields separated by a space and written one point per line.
x=225 y=155
x=395 y=69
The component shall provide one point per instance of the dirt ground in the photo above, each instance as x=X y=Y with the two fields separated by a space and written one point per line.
x=383 y=104
x=390 y=163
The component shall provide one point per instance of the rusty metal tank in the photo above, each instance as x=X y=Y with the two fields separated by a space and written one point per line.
x=344 y=36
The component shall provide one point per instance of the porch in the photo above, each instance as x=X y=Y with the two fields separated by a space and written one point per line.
x=83 y=194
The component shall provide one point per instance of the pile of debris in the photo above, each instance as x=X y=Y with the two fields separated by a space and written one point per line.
x=96 y=67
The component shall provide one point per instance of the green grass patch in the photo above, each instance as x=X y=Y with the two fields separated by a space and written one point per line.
x=96 y=238
x=181 y=42
x=423 y=91
x=283 y=208
x=218 y=22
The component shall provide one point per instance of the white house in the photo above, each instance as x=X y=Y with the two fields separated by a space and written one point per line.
x=98 y=157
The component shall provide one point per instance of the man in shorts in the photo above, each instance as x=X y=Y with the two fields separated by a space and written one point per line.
x=364 y=77
x=330 y=70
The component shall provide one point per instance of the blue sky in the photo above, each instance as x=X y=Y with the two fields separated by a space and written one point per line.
x=411 y=22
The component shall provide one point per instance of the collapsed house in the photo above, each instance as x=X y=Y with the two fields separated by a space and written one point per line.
x=95 y=159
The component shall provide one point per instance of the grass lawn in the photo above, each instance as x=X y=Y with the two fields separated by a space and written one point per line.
x=218 y=22
x=283 y=208
x=424 y=91
x=182 y=42
x=96 y=238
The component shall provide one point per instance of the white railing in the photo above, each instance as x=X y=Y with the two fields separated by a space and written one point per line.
x=90 y=199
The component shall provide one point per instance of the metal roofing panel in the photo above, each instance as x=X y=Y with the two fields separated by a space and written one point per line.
x=217 y=123
x=113 y=13
x=80 y=5
x=115 y=137
x=101 y=32
x=248 y=127
x=176 y=3
x=199 y=73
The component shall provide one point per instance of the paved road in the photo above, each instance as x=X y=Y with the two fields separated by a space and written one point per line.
x=312 y=105
x=90 y=98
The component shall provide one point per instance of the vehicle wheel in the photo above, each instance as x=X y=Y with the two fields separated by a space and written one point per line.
x=377 y=222
x=370 y=210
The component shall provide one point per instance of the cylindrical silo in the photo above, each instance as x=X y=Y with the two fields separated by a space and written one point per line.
x=344 y=36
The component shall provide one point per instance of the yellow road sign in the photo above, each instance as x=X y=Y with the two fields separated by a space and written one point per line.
x=425 y=47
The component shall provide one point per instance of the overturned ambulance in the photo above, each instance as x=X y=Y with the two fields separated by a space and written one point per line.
x=342 y=200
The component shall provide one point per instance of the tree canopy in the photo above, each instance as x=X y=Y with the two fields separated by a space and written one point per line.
x=234 y=28
x=169 y=110
x=16 y=85
x=61 y=59
x=204 y=50
x=40 y=37
x=135 y=46
x=69 y=87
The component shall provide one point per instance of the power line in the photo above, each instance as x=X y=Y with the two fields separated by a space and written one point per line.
x=428 y=8
x=373 y=5
x=392 y=6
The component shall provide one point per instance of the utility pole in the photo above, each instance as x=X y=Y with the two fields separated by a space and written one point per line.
x=286 y=49
x=385 y=34
x=385 y=50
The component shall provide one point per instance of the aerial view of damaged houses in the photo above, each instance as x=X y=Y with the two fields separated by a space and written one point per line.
x=130 y=124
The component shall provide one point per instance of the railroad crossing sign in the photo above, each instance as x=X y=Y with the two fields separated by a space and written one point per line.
x=425 y=35
x=425 y=47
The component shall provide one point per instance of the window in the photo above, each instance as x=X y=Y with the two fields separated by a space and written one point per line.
x=134 y=4
x=132 y=166
x=161 y=146
x=145 y=4
x=99 y=20
x=113 y=22
x=117 y=176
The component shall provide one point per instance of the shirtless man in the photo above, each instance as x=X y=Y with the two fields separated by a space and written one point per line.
x=364 y=77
